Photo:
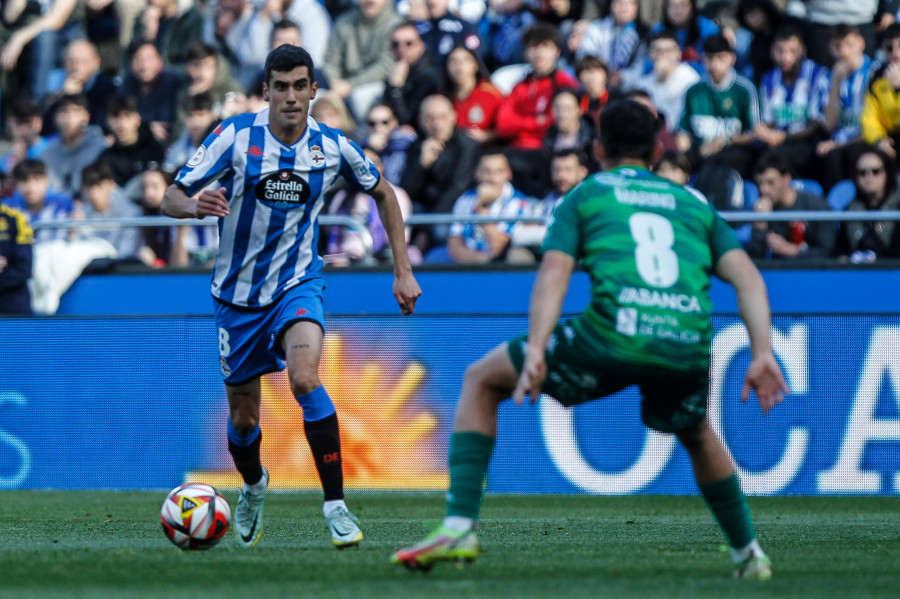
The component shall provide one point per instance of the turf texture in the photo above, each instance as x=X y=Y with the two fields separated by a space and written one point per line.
x=110 y=545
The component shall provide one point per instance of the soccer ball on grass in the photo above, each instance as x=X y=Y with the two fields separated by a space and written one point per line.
x=195 y=516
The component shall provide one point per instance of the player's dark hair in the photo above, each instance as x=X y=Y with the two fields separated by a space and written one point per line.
x=121 y=103
x=787 y=31
x=24 y=109
x=716 y=44
x=201 y=102
x=775 y=161
x=96 y=173
x=28 y=168
x=199 y=51
x=287 y=58
x=540 y=33
x=628 y=130
x=568 y=152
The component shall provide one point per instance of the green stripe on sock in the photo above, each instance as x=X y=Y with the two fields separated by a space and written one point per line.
x=729 y=506
x=470 y=454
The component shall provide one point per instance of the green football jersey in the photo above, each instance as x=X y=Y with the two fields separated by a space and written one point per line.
x=650 y=247
x=720 y=111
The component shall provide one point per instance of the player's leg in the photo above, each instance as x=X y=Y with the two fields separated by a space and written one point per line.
x=244 y=440
x=486 y=384
x=719 y=485
x=302 y=344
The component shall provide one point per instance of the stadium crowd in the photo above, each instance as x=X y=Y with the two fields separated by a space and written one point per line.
x=468 y=107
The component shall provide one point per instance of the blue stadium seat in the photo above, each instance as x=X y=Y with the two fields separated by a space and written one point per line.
x=751 y=195
x=841 y=195
x=438 y=255
x=808 y=185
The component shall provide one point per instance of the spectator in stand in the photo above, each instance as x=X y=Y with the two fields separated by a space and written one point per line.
x=792 y=102
x=241 y=33
x=562 y=14
x=199 y=121
x=208 y=73
x=442 y=31
x=158 y=243
x=720 y=113
x=875 y=178
x=155 y=87
x=344 y=244
x=689 y=28
x=16 y=239
x=24 y=124
x=413 y=76
x=616 y=39
x=288 y=32
x=494 y=195
x=82 y=75
x=37 y=201
x=359 y=55
x=501 y=29
x=880 y=119
x=571 y=128
x=674 y=166
x=593 y=76
x=172 y=26
x=849 y=82
x=670 y=78
x=79 y=143
x=388 y=140
x=331 y=110
x=102 y=198
x=439 y=167
x=568 y=168
x=524 y=115
x=314 y=23
x=666 y=138
x=787 y=240
x=467 y=83
x=134 y=148
x=759 y=20
x=824 y=15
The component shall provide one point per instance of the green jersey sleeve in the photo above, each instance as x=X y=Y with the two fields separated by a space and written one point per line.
x=564 y=232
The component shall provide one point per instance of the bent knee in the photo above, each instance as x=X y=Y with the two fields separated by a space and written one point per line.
x=695 y=436
x=304 y=381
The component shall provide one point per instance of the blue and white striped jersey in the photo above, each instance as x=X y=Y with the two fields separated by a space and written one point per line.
x=269 y=241
x=790 y=109
x=853 y=95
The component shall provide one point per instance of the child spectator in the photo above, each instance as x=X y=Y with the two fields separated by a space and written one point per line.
x=593 y=76
x=158 y=243
x=571 y=130
x=674 y=166
x=475 y=99
x=208 y=73
x=34 y=197
x=199 y=121
x=25 y=125
x=478 y=243
x=78 y=144
x=134 y=148
x=103 y=199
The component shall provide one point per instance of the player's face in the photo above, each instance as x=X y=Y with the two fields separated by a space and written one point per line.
x=566 y=172
x=788 y=54
x=719 y=65
x=288 y=95
x=773 y=185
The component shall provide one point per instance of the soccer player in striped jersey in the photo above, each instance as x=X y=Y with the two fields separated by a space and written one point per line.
x=272 y=169
x=792 y=101
x=651 y=247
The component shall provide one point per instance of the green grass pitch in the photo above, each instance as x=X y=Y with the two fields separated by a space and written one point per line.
x=110 y=544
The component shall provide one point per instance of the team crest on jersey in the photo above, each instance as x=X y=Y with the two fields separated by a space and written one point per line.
x=316 y=157
x=198 y=157
x=283 y=190
x=226 y=369
x=476 y=115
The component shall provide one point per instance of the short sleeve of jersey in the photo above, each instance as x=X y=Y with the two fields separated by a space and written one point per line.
x=564 y=232
x=210 y=160
x=356 y=168
x=722 y=238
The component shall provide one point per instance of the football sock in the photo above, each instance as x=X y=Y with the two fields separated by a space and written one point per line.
x=739 y=555
x=325 y=443
x=729 y=506
x=244 y=450
x=330 y=506
x=470 y=454
x=316 y=404
x=458 y=523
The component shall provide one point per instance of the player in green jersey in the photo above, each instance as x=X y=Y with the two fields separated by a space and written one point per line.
x=650 y=247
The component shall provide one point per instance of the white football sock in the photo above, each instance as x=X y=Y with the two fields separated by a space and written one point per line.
x=459 y=523
x=739 y=555
x=330 y=506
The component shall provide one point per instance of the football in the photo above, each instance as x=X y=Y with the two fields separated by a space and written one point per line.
x=195 y=516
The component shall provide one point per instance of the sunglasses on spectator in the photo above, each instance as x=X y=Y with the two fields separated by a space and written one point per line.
x=862 y=172
x=375 y=123
x=402 y=43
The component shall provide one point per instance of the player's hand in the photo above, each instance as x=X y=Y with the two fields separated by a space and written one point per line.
x=407 y=292
x=212 y=202
x=765 y=378
x=534 y=371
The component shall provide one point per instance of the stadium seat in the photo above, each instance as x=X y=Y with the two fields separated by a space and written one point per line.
x=751 y=195
x=841 y=195
x=438 y=255
x=808 y=185
x=505 y=78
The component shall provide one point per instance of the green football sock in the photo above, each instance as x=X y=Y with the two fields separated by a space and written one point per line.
x=470 y=454
x=729 y=505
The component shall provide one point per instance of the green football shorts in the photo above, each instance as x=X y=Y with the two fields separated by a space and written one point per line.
x=672 y=400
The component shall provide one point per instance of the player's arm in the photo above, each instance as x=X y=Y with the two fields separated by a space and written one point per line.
x=406 y=288
x=210 y=202
x=764 y=374
x=550 y=288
